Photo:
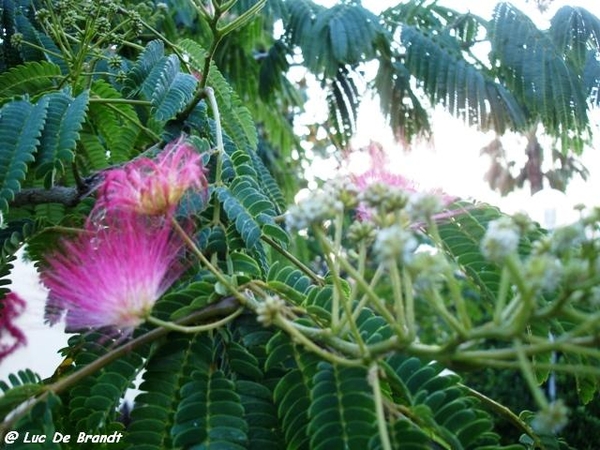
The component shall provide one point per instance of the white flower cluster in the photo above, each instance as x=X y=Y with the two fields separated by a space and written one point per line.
x=321 y=206
x=383 y=197
x=428 y=270
x=544 y=272
x=500 y=240
x=565 y=239
x=395 y=244
x=422 y=206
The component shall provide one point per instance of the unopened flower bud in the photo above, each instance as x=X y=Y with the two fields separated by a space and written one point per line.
x=395 y=244
x=362 y=231
x=500 y=240
x=269 y=309
x=422 y=206
x=551 y=419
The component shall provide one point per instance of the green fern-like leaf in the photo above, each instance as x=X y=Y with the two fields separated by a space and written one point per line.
x=187 y=299
x=289 y=282
x=343 y=101
x=342 y=412
x=13 y=235
x=153 y=422
x=21 y=124
x=30 y=78
x=92 y=403
x=260 y=415
x=43 y=47
x=236 y=119
x=61 y=132
x=463 y=89
x=441 y=408
x=340 y=35
x=574 y=30
x=302 y=15
x=211 y=414
x=402 y=107
x=292 y=391
x=115 y=122
x=96 y=156
x=173 y=91
x=534 y=69
x=153 y=53
x=245 y=224
x=270 y=186
x=24 y=385
x=247 y=208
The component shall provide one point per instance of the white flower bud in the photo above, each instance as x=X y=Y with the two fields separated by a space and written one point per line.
x=395 y=244
x=500 y=240
x=551 y=419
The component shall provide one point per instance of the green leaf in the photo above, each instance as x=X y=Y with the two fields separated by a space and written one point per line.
x=261 y=416
x=172 y=89
x=534 y=69
x=340 y=35
x=574 y=30
x=210 y=414
x=169 y=370
x=235 y=116
x=114 y=122
x=21 y=124
x=463 y=89
x=31 y=78
x=64 y=119
x=447 y=413
x=342 y=412
x=152 y=55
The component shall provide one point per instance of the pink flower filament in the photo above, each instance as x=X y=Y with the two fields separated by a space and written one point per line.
x=11 y=337
x=154 y=186
x=113 y=277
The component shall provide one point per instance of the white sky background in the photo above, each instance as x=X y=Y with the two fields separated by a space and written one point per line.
x=451 y=162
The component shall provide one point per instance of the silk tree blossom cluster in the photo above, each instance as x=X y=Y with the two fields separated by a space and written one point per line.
x=112 y=276
x=127 y=256
x=372 y=195
x=153 y=186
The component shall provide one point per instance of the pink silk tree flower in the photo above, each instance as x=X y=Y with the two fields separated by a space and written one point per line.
x=112 y=277
x=153 y=186
x=11 y=337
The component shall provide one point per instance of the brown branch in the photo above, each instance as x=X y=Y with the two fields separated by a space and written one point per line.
x=66 y=195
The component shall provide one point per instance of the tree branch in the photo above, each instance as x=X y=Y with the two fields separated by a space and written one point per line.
x=66 y=195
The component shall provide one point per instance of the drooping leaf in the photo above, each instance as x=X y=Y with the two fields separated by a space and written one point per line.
x=462 y=88
x=533 y=68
